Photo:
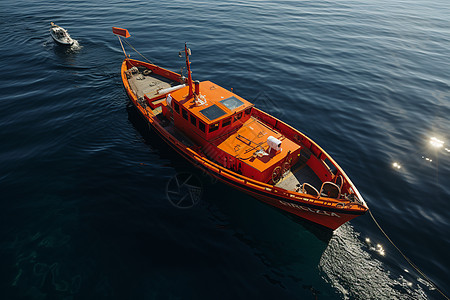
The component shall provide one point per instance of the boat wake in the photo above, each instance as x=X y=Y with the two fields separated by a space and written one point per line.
x=75 y=46
x=351 y=267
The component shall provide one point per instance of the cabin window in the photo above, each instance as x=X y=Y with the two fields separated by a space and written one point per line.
x=201 y=126
x=193 y=120
x=238 y=116
x=232 y=103
x=248 y=111
x=213 y=112
x=213 y=127
x=226 y=122
x=176 y=107
x=184 y=113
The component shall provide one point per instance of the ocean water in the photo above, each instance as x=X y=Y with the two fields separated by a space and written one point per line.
x=84 y=184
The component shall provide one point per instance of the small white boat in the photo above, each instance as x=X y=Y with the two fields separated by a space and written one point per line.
x=60 y=35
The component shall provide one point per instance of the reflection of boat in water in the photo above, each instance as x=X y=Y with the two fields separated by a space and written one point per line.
x=226 y=136
x=60 y=35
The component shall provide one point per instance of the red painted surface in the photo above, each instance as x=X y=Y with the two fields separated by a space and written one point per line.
x=210 y=156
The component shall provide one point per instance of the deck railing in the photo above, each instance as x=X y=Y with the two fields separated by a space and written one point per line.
x=266 y=187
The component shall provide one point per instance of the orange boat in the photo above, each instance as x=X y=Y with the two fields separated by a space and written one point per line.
x=237 y=143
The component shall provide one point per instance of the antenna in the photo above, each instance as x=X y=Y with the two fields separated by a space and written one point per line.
x=187 y=52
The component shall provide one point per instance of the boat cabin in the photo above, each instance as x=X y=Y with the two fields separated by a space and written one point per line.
x=208 y=114
x=223 y=124
x=227 y=136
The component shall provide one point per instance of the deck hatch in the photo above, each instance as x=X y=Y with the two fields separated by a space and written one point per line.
x=232 y=103
x=213 y=112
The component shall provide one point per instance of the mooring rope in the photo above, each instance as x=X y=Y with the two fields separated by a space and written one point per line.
x=407 y=259
x=137 y=51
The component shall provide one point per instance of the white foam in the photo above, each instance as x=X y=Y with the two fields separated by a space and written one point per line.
x=76 y=46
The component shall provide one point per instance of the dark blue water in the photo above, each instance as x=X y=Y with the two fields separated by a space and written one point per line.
x=84 y=209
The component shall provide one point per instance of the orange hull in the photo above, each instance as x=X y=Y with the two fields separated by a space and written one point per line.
x=330 y=213
x=330 y=217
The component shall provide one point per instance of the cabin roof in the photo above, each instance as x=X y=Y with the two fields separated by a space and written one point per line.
x=213 y=104
x=251 y=137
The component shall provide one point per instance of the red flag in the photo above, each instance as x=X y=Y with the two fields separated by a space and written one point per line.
x=121 y=32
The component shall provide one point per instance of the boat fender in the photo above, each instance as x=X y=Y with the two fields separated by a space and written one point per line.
x=170 y=89
x=340 y=205
x=169 y=100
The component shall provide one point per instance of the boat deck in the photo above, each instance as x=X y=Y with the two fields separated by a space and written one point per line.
x=241 y=144
x=299 y=175
x=148 y=85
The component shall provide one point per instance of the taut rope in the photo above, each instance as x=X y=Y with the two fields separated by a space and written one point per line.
x=407 y=259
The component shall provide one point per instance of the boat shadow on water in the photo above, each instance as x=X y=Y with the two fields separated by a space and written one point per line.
x=153 y=140
x=157 y=144
x=290 y=252
x=322 y=233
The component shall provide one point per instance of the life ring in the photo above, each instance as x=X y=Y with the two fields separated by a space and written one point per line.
x=287 y=166
x=276 y=175
x=340 y=205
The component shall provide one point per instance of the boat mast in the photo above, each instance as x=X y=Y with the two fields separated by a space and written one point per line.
x=187 y=52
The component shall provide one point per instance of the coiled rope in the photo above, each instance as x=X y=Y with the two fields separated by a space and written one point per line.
x=407 y=259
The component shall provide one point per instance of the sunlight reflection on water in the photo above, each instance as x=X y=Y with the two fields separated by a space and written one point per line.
x=354 y=270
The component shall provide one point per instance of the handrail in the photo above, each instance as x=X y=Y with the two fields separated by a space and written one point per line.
x=263 y=186
x=341 y=171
